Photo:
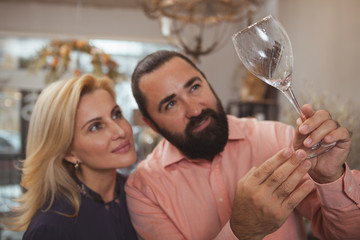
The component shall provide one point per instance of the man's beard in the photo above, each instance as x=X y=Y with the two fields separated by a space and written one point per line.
x=205 y=143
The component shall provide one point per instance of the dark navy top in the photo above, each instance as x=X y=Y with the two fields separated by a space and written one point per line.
x=96 y=219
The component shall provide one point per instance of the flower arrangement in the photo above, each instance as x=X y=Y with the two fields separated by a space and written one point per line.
x=56 y=58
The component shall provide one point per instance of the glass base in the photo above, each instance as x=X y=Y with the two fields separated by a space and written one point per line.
x=318 y=149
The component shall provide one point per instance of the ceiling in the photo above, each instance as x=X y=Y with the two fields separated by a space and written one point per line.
x=97 y=3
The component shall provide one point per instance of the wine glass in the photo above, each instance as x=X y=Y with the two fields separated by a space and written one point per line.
x=265 y=50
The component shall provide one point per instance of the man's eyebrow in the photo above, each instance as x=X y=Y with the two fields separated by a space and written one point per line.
x=188 y=84
x=191 y=81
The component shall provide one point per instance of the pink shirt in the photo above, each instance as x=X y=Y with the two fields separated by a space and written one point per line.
x=172 y=197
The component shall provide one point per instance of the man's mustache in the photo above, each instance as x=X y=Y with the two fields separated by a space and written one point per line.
x=194 y=121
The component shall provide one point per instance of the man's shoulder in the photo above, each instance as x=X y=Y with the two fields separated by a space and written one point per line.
x=251 y=121
x=244 y=127
x=150 y=166
x=155 y=169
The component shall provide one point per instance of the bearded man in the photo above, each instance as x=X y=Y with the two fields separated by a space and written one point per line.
x=215 y=176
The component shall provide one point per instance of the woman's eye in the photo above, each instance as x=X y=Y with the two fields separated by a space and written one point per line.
x=195 y=87
x=117 y=115
x=94 y=127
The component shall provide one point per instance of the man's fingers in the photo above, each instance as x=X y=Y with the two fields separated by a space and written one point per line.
x=282 y=174
x=340 y=134
x=307 y=110
x=269 y=166
x=310 y=124
x=320 y=133
x=298 y=195
x=288 y=186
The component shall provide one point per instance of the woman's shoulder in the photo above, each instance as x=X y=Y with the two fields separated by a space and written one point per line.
x=48 y=225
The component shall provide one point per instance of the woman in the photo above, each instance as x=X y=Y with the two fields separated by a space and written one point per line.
x=77 y=140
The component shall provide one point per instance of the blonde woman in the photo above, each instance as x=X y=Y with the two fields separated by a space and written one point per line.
x=77 y=140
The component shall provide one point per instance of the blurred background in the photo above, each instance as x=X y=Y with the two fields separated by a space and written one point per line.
x=45 y=40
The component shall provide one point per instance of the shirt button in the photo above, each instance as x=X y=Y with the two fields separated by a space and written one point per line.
x=221 y=199
x=350 y=189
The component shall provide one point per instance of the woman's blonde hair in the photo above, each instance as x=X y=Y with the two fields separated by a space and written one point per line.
x=46 y=175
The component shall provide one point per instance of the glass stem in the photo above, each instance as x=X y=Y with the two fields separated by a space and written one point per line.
x=291 y=97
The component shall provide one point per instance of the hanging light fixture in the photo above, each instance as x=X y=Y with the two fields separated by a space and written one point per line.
x=199 y=27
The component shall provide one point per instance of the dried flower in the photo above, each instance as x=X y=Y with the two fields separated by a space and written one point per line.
x=56 y=59
x=342 y=111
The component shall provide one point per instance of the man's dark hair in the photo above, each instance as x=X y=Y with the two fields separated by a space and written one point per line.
x=148 y=64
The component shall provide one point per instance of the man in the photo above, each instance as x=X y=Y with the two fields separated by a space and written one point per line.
x=220 y=177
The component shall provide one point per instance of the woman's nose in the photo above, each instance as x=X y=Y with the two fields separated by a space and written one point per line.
x=117 y=130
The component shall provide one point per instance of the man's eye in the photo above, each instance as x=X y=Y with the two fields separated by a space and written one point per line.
x=117 y=114
x=169 y=105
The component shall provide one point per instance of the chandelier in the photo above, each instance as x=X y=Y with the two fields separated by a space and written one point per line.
x=199 y=27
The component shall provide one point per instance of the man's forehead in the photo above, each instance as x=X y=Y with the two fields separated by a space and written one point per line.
x=172 y=72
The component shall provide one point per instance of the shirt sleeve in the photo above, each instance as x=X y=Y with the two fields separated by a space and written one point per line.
x=334 y=208
x=226 y=233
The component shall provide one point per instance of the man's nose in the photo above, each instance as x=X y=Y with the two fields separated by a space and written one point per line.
x=193 y=109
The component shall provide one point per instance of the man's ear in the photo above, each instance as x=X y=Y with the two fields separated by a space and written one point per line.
x=150 y=124
x=71 y=158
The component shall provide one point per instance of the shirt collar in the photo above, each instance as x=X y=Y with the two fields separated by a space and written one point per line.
x=87 y=192
x=172 y=155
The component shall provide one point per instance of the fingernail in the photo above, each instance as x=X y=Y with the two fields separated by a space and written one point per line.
x=299 y=121
x=308 y=141
x=310 y=183
x=304 y=128
x=306 y=164
x=300 y=154
x=287 y=153
x=328 y=138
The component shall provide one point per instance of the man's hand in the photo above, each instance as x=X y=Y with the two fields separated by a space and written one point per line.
x=267 y=195
x=319 y=125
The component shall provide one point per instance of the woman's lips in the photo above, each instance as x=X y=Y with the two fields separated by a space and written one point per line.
x=122 y=148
